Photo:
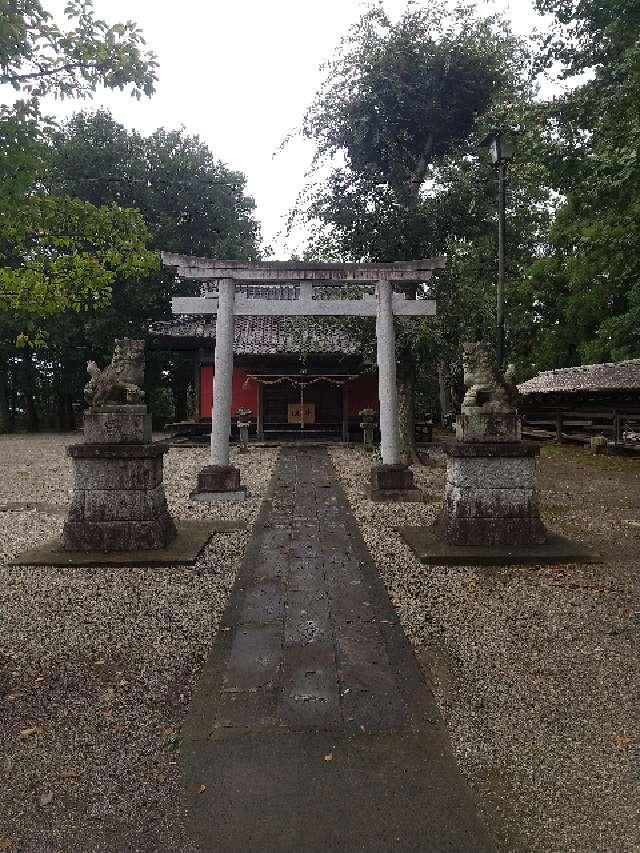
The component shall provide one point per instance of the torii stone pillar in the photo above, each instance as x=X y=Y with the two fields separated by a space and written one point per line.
x=220 y=480
x=387 y=388
x=391 y=481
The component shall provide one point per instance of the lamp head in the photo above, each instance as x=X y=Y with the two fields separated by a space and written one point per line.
x=500 y=147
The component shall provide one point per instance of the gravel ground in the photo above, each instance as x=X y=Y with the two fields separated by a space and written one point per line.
x=97 y=666
x=535 y=669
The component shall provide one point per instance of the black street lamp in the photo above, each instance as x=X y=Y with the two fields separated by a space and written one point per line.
x=501 y=151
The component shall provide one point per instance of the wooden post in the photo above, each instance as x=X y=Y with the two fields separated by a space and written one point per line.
x=345 y=411
x=559 y=426
x=260 y=411
x=197 y=370
x=301 y=406
x=617 y=427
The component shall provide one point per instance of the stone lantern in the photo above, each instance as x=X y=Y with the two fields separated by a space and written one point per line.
x=243 y=416
x=368 y=427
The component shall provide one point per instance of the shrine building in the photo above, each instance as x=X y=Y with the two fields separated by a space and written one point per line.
x=296 y=375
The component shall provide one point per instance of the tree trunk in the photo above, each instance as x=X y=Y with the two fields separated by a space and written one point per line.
x=406 y=413
x=444 y=381
x=32 y=422
x=5 y=415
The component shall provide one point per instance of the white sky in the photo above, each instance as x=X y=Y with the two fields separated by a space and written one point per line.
x=240 y=73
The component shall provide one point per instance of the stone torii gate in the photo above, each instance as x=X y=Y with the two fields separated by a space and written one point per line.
x=220 y=480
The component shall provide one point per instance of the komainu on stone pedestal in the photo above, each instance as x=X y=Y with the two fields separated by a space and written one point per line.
x=118 y=501
x=490 y=493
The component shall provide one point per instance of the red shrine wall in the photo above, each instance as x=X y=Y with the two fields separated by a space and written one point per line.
x=363 y=392
x=240 y=396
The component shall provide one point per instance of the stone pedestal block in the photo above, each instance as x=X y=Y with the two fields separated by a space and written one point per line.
x=490 y=495
x=118 y=425
x=393 y=483
x=118 y=501
x=219 y=482
x=480 y=427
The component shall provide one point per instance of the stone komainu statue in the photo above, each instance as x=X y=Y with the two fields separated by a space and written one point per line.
x=487 y=390
x=121 y=381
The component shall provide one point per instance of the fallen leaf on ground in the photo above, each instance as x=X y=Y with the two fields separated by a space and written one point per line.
x=5 y=843
x=328 y=756
x=169 y=731
x=201 y=789
x=70 y=774
x=46 y=798
x=624 y=740
x=32 y=730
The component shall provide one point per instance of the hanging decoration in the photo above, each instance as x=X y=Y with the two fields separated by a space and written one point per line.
x=295 y=379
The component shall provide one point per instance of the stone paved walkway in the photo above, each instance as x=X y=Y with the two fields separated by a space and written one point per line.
x=313 y=729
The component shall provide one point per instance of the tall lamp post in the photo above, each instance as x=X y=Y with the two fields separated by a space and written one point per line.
x=501 y=151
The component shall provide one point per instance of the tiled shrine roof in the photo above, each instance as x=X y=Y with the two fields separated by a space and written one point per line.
x=264 y=335
x=614 y=376
x=267 y=335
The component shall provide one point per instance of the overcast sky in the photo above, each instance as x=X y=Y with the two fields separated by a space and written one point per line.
x=240 y=73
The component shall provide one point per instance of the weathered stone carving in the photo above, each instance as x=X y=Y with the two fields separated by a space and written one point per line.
x=118 y=501
x=490 y=494
x=488 y=411
x=487 y=390
x=121 y=381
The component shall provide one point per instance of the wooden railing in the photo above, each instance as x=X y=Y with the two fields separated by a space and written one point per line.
x=580 y=425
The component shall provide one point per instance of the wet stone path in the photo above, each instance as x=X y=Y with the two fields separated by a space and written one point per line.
x=307 y=651
x=312 y=728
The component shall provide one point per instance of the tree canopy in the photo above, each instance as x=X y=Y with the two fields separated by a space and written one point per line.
x=43 y=267
x=400 y=119
x=587 y=280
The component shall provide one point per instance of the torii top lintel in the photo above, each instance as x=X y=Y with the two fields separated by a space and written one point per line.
x=263 y=272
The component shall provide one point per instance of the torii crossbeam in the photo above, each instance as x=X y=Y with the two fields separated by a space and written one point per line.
x=391 y=480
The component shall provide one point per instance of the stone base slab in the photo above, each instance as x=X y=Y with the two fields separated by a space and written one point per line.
x=496 y=531
x=118 y=535
x=211 y=497
x=118 y=425
x=490 y=496
x=192 y=536
x=118 y=501
x=503 y=427
x=396 y=495
x=393 y=483
x=431 y=549
x=218 y=478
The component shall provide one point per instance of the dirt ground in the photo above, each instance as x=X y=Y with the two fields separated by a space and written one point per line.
x=535 y=669
x=97 y=665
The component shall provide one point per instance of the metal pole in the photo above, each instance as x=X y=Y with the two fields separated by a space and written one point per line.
x=502 y=181
x=223 y=378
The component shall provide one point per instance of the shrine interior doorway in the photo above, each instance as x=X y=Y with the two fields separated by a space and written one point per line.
x=315 y=407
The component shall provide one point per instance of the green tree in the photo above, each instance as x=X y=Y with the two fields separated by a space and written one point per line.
x=401 y=105
x=37 y=58
x=587 y=284
x=190 y=202
x=43 y=268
